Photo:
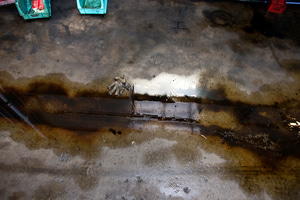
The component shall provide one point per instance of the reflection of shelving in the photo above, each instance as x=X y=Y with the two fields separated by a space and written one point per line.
x=5 y=2
x=92 y=6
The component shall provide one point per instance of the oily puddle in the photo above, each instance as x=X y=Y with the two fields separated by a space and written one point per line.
x=257 y=171
x=81 y=111
x=260 y=143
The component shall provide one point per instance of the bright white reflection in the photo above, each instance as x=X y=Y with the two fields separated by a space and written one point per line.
x=292 y=124
x=168 y=84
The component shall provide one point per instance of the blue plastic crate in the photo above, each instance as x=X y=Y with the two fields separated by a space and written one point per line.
x=25 y=9
x=92 y=6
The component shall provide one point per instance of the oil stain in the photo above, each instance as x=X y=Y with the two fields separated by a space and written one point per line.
x=261 y=24
x=237 y=47
x=16 y=196
x=218 y=17
x=49 y=108
x=51 y=190
x=292 y=66
x=81 y=119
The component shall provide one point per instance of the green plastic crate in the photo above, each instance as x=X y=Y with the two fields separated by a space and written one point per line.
x=92 y=6
x=25 y=9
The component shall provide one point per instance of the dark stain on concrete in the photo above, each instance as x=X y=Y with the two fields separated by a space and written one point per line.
x=54 y=103
x=17 y=196
x=261 y=24
x=282 y=187
x=218 y=17
x=261 y=28
x=292 y=66
x=51 y=190
x=237 y=47
x=157 y=157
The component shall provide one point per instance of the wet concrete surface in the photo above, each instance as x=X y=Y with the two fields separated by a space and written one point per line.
x=214 y=113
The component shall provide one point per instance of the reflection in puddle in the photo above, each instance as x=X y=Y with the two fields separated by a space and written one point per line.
x=294 y=124
x=14 y=110
x=181 y=110
x=169 y=85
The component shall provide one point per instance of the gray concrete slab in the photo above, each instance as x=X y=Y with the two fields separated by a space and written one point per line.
x=213 y=113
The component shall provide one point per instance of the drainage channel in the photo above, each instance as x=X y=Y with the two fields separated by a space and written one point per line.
x=93 y=113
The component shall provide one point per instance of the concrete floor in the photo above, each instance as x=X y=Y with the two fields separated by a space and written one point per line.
x=214 y=113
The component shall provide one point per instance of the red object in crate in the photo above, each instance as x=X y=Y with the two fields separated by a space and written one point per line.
x=277 y=6
x=38 y=4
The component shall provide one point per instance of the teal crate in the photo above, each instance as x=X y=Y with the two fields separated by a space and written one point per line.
x=92 y=6
x=25 y=9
